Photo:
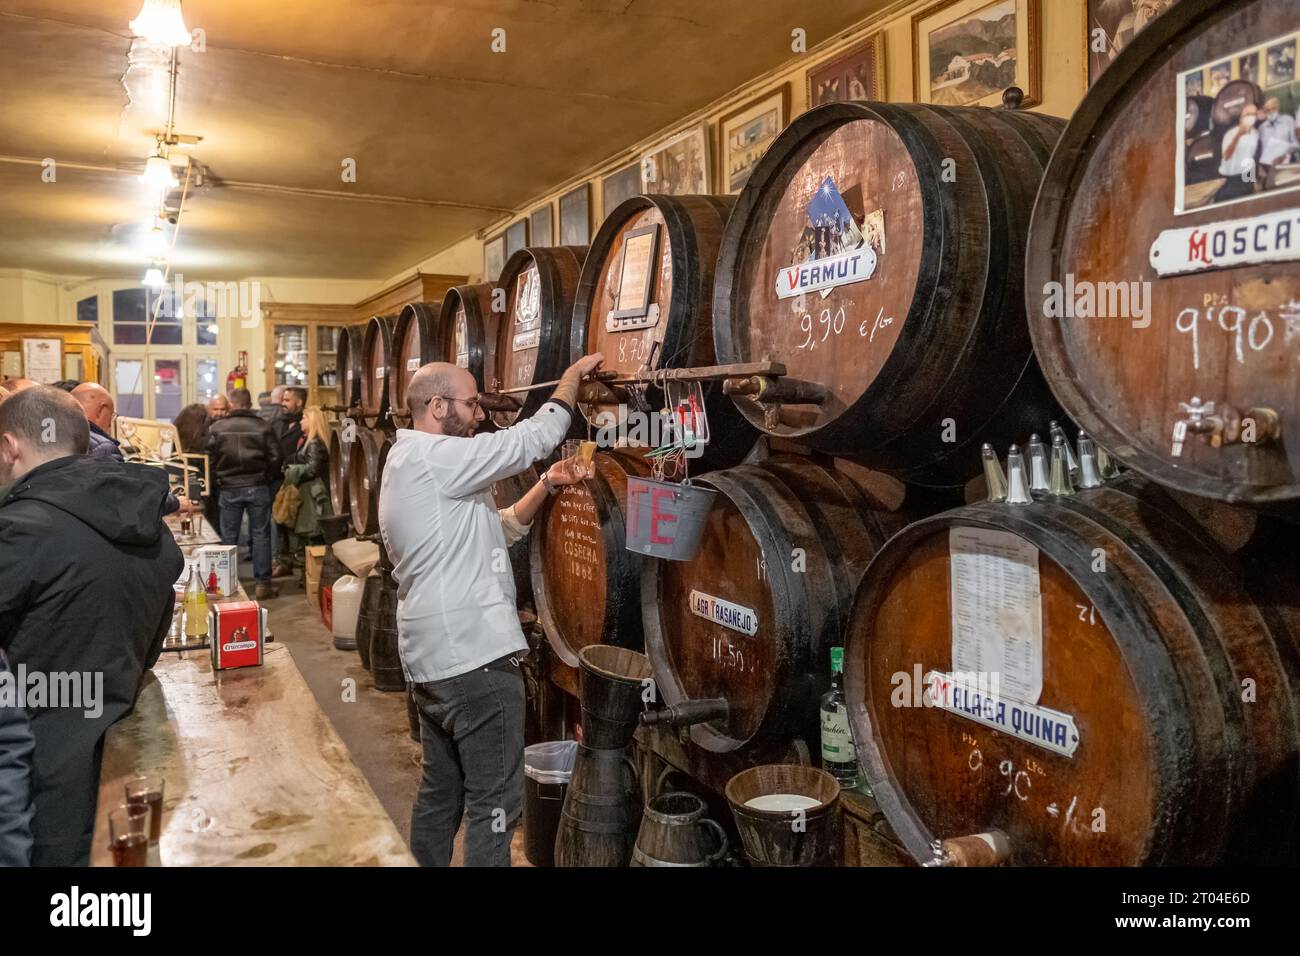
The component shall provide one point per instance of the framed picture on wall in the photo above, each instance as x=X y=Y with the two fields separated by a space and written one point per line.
x=856 y=75
x=746 y=133
x=619 y=185
x=1112 y=25
x=494 y=258
x=575 y=216
x=679 y=166
x=539 y=224
x=516 y=237
x=966 y=52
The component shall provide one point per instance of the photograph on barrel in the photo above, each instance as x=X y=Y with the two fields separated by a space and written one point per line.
x=1238 y=137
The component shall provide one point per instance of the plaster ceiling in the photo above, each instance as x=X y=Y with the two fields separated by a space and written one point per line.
x=446 y=134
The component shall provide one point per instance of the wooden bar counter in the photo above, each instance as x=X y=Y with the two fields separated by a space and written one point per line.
x=253 y=771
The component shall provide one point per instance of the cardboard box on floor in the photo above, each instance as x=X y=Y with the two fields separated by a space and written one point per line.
x=315 y=559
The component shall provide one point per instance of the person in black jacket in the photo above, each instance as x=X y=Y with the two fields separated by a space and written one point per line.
x=244 y=456
x=16 y=746
x=287 y=426
x=86 y=599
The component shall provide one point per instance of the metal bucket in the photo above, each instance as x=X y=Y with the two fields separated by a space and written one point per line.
x=664 y=519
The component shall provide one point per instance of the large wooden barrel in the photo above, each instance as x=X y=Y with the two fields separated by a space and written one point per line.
x=414 y=340
x=782 y=550
x=376 y=362
x=645 y=300
x=468 y=331
x=350 y=364
x=1146 y=705
x=533 y=339
x=586 y=584
x=340 y=500
x=1200 y=294
x=365 y=477
x=876 y=253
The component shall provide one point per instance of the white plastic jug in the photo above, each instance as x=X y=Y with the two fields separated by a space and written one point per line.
x=347 y=603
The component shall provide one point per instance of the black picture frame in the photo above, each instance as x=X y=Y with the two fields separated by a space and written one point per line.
x=539 y=226
x=575 y=216
x=516 y=237
x=651 y=260
x=618 y=186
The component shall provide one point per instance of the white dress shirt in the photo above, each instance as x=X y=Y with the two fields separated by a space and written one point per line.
x=1276 y=139
x=1243 y=153
x=445 y=536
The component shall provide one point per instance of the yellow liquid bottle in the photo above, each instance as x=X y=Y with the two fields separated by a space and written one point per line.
x=196 y=606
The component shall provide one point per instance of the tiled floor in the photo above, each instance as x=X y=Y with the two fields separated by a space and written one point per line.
x=374 y=726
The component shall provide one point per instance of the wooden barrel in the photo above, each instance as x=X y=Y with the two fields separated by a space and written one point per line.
x=350 y=364
x=645 y=300
x=365 y=475
x=533 y=339
x=585 y=582
x=876 y=253
x=1215 y=341
x=414 y=340
x=782 y=550
x=505 y=493
x=340 y=500
x=376 y=364
x=468 y=332
x=1146 y=704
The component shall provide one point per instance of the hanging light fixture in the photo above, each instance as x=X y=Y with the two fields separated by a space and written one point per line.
x=161 y=21
x=153 y=277
x=158 y=172
x=155 y=242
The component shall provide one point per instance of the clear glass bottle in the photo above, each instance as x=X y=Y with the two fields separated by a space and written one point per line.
x=196 y=605
x=839 y=758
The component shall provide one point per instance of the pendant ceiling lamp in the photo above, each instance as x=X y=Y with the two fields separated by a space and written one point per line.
x=153 y=277
x=161 y=21
x=158 y=172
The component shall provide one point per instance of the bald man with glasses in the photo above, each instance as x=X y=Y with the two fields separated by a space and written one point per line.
x=458 y=630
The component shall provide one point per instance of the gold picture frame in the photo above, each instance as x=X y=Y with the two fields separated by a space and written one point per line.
x=838 y=80
x=757 y=123
x=973 y=72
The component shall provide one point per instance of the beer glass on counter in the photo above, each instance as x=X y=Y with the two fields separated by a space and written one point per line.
x=146 y=790
x=128 y=834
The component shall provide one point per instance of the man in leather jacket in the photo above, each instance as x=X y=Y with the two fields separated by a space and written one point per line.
x=245 y=458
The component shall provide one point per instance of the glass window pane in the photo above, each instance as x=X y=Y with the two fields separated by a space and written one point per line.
x=167 y=389
x=206 y=330
x=88 y=309
x=290 y=355
x=206 y=387
x=165 y=334
x=129 y=306
x=132 y=334
x=128 y=389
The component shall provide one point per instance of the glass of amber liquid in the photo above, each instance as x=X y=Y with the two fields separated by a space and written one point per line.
x=580 y=453
x=147 y=790
x=128 y=834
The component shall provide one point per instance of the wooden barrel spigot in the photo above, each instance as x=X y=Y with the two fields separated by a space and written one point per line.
x=687 y=712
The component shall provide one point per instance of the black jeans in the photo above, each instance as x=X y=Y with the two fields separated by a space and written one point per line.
x=472 y=731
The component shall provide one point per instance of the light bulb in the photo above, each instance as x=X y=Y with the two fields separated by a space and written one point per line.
x=155 y=243
x=158 y=173
x=161 y=21
x=153 y=278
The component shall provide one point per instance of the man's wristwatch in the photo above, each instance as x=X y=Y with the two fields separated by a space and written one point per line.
x=550 y=488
